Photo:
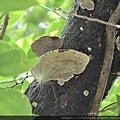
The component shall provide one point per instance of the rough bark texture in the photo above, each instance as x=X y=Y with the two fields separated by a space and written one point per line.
x=69 y=99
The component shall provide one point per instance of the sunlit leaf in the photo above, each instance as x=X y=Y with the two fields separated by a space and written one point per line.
x=15 y=100
x=14 y=62
x=15 y=16
x=31 y=54
x=118 y=103
x=4 y=46
x=4 y=78
x=11 y=5
x=25 y=42
x=7 y=83
x=67 y=5
x=56 y=25
x=25 y=86
x=107 y=113
x=56 y=3
x=18 y=87
x=10 y=42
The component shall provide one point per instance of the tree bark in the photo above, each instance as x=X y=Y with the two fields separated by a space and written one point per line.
x=69 y=99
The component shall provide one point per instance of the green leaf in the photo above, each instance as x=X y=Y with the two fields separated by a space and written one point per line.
x=25 y=42
x=107 y=113
x=18 y=87
x=10 y=42
x=12 y=5
x=57 y=3
x=5 y=78
x=31 y=54
x=13 y=102
x=15 y=16
x=118 y=103
x=4 y=46
x=25 y=86
x=14 y=62
x=56 y=25
x=6 y=83
x=67 y=5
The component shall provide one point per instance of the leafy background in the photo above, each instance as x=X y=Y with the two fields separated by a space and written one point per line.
x=29 y=20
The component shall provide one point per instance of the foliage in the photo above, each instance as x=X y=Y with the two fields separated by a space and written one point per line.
x=15 y=107
x=27 y=22
x=112 y=100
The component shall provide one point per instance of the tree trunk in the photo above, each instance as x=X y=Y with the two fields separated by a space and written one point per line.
x=70 y=99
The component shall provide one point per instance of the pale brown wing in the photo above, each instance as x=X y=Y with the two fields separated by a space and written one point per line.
x=45 y=44
x=60 y=65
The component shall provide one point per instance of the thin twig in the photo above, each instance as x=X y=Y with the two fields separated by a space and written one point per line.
x=97 y=20
x=90 y=19
x=106 y=107
x=108 y=58
x=79 y=16
x=19 y=82
x=10 y=81
x=15 y=81
x=115 y=107
x=53 y=10
x=4 y=25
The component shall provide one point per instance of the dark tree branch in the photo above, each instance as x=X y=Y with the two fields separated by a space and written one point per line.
x=4 y=25
x=109 y=52
x=70 y=99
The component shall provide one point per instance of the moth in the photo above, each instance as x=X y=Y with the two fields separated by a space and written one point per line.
x=56 y=64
